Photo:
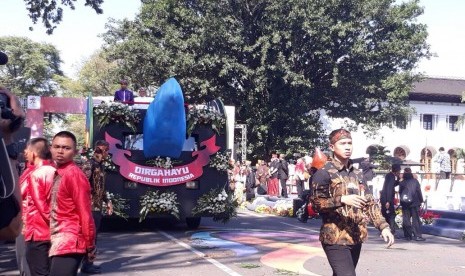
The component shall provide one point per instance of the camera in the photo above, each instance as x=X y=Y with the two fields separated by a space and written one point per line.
x=6 y=112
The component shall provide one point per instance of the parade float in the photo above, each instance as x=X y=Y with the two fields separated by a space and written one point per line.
x=167 y=158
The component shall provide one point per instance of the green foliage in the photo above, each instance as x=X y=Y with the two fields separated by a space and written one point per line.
x=31 y=67
x=279 y=62
x=99 y=76
x=381 y=156
x=51 y=12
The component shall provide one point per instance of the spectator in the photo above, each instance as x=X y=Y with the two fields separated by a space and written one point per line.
x=240 y=180
x=142 y=100
x=72 y=228
x=262 y=176
x=300 y=177
x=273 y=182
x=95 y=172
x=391 y=180
x=283 y=174
x=443 y=159
x=250 y=182
x=124 y=95
x=367 y=167
x=411 y=199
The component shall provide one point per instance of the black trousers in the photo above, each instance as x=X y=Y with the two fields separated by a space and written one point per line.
x=343 y=259
x=283 y=187
x=65 y=265
x=299 y=184
x=444 y=175
x=390 y=216
x=411 y=222
x=37 y=257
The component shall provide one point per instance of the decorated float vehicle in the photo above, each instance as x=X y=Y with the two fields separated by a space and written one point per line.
x=166 y=158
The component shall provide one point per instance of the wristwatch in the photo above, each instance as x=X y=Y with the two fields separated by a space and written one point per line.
x=12 y=150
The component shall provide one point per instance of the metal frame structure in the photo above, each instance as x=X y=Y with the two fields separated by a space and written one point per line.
x=243 y=128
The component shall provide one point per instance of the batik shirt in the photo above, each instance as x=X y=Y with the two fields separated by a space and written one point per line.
x=343 y=224
x=95 y=172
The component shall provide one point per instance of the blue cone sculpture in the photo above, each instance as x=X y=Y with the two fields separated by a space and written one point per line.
x=165 y=122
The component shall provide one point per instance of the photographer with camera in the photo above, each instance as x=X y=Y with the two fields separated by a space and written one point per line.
x=12 y=118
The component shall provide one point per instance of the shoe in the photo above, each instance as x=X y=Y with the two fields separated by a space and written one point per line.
x=407 y=238
x=420 y=239
x=91 y=270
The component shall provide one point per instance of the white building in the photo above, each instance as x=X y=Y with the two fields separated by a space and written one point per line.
x=438 y=106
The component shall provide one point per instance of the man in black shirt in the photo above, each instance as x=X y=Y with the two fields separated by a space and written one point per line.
x=283 y=173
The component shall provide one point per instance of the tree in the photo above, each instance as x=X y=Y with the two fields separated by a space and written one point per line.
x=51 y=12
x=98 y=75
x=279 y=62
x=31 y=67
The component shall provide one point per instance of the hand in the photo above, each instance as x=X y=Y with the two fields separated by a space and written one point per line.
x=387 y=236
x=354 y=200
x=387 y=205
x=110 y=208
x=91 y=255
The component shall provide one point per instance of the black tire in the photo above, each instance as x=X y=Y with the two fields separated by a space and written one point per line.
x=193 y=222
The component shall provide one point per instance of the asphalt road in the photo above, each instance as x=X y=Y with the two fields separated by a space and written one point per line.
x=255 y=244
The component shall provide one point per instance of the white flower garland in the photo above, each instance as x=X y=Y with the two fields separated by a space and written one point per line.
x=204 y=115
x=158 y=203
x=221 y=161
x=120 y=205
x=218 y=204
x=161 y=162
x=117 y=112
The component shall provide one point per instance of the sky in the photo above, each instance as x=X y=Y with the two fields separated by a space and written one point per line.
x=77 y=35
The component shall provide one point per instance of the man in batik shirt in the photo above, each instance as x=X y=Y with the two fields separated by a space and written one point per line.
x=95 y=172
x=339 y=197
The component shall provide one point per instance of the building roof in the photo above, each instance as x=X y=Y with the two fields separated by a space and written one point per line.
x=438 y=90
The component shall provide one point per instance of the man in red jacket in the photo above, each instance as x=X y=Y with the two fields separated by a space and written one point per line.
x=39 y=181
x=72 y=227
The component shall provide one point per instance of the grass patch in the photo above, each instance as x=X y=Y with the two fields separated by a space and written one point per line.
x=248 y=265
x=285 y=272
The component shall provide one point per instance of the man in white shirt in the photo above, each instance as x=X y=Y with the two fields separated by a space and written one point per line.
x=142 y=101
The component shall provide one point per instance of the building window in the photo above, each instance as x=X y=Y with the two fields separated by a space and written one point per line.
x=428 y=121
x=452 y=122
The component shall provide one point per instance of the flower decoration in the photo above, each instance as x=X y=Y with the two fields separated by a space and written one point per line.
x=120 y=205
x=398 y=218
x=221 y=161
x=283 y=208
x=117 y=112
x=263 y=209
x=429 y=217
x=108 y=165
x=217 y=203
x=154 y=202
x=204 y=115
x=161 y=162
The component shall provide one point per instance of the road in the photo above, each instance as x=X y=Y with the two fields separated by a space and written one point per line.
x=256 y=244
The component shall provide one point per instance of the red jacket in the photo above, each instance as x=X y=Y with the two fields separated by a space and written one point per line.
x=24 y=185
x=37 y=216
x=71 y=224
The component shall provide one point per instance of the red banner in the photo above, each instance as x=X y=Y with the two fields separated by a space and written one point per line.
x=156 y=176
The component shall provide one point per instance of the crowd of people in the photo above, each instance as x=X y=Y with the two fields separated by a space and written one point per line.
x=274 y=178
x=62 y=202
